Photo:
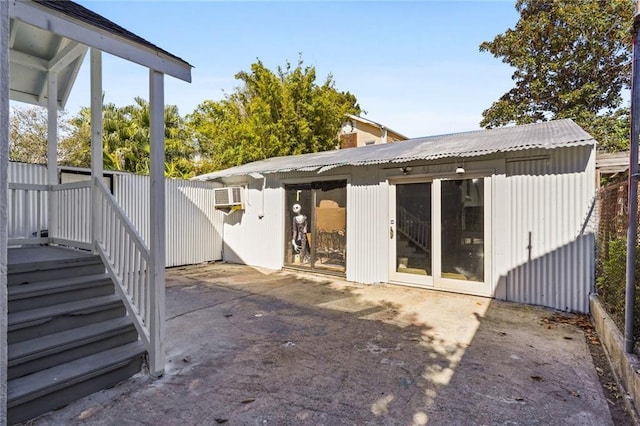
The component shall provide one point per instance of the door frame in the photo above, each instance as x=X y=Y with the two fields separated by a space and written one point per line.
x=285 y=241
x=394 y=275
x=436 y=281
x=462 y=286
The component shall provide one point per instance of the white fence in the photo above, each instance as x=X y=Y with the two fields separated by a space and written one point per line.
x=193 y=226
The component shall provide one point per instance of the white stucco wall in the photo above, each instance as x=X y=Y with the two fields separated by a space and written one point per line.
x=255 y=236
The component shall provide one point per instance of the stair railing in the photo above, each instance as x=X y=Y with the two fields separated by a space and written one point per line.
x=415 y=230
x=127 y=260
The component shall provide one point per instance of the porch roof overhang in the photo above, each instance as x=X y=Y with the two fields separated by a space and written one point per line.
x=54 y=36
x=546 y=135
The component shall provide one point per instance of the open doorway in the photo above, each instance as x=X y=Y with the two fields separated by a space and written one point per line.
x=316 y=226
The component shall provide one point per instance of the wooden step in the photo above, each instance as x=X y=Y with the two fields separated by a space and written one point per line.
x=37 y=393
x=29 y=356
x=34 y=271
x=23 y=297
x=26 y=325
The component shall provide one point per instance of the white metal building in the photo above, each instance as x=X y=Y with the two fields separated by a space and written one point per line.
x=501 y=213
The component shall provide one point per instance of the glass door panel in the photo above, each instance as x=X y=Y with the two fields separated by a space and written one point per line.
x=316 y=225
x=298 y=220
x=462 y=230
x=410 y=233
x=330 y=236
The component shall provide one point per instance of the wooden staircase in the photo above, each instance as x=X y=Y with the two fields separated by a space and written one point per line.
x=68 y=332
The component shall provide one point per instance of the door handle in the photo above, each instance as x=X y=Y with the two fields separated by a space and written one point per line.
x=391 y=232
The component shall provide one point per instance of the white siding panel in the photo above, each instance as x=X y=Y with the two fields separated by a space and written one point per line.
x=132 y=193
x=551 y=261
x=193 y=225
x=22 y=206
x=367 y=227
x=27 y=173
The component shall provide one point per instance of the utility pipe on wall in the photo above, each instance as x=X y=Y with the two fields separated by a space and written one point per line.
x=633 y=189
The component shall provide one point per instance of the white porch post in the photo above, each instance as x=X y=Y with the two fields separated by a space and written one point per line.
x=4 y=163
x=52 y=152
x=96 y=142
x=157 y=231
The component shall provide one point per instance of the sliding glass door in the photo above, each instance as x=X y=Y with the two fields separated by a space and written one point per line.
x=439 y=234
x=410 y=233
x=316 y=226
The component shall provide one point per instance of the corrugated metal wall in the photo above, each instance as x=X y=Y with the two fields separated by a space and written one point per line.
x=551 y=257
x=27 y=173
x=193 y=225
x=542 y=253
x=367 y=227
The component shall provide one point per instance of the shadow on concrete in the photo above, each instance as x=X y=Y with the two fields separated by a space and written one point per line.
x=248 y=346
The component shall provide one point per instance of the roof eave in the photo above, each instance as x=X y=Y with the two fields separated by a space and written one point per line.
x=74 y=29
x=380 y=126
x=321 y=168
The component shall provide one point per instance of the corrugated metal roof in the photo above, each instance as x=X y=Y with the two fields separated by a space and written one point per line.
x=546 y=135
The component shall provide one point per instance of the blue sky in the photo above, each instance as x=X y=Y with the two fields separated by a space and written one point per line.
x=414 y=66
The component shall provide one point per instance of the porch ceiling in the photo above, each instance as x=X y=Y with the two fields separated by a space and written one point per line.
x=33 y=53
x=54 y=36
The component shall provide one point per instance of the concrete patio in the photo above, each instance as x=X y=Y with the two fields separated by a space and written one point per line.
x=254 y=347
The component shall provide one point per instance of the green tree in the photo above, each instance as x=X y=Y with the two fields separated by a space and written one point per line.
x=126 y=139
x=28 y=129
x=572 y=59
x=271 y=114
x=28 y=135
x=77 y=143
x=28 y=138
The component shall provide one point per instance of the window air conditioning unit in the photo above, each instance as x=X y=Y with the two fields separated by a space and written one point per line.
x=229 y=198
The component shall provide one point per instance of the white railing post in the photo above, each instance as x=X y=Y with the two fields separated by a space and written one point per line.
x=157 y=222
x=52 y=151
x=96 y=143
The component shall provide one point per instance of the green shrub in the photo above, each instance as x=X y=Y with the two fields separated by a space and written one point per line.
x=611 y=283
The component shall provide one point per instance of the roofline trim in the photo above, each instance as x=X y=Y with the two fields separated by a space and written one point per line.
x=58 y=23
x=381 y=126
x=322 y=168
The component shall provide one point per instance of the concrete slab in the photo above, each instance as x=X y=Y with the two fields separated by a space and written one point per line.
x=252 y=347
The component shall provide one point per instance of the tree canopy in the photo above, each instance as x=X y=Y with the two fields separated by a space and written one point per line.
x=271 y=114
x=28 y=134
x=572 y=59
x=125 y=138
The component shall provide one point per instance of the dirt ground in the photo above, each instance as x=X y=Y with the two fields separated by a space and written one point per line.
x=255 y=347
